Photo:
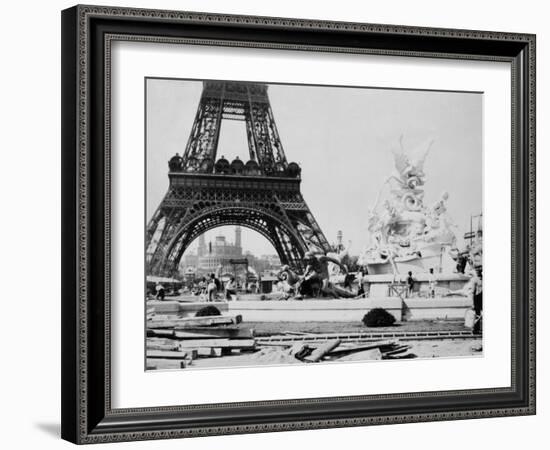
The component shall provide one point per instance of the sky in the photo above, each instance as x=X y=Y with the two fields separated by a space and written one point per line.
x=342 y=138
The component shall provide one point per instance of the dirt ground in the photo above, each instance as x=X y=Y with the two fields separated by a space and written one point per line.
x=457 y=348
x=446 y=348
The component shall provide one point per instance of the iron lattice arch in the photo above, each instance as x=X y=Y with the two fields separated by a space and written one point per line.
x=262 y=194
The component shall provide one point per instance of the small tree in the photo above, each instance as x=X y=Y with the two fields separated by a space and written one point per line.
x=378 y=317
x=208 y=311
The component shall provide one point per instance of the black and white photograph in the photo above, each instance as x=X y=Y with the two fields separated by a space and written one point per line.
x=311 y=224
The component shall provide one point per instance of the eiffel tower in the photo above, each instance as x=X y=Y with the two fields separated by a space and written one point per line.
x=262 y=194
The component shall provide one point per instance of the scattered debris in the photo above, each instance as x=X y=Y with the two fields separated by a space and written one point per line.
x=300 y=351
x=175 y=342
x=317 y=354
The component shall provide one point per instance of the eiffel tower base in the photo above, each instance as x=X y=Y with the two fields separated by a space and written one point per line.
x=196 y=203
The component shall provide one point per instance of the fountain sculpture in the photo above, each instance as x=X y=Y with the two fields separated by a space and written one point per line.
x=405 y=234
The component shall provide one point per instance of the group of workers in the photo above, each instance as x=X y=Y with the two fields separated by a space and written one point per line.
x=211 y=287
x=207 y=289
x=315 y=280
x=432 y=283
x=473 y=289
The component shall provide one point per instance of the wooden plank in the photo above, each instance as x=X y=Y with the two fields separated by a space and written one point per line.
x=166 y=364
x=322 y=350
x=315 y=343
x=298 y=333
x=165 y=354
x=185 y=322
x=374 y=354
x=209 y=351
x=397 y=350
x=213 y=332
x=279 y=344
x=221 y=343
x=345 y=350
x=160 y=332
x=369 y=336
x=159 y=346
x=160 y=340
x=407 y=355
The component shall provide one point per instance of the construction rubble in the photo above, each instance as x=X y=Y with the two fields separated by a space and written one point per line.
x=180 y=342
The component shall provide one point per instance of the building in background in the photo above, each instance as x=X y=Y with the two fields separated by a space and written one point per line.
x=210 y=255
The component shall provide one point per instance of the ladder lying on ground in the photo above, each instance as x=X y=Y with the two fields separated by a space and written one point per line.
x=365 y=337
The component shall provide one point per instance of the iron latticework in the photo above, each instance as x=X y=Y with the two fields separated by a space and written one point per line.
x=262 y=194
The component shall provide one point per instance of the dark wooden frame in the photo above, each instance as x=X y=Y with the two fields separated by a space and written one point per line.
x=87 y=31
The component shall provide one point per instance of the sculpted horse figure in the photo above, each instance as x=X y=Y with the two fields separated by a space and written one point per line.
x=315 y=281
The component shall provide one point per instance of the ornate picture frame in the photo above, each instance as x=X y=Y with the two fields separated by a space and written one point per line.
x=87 y=35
